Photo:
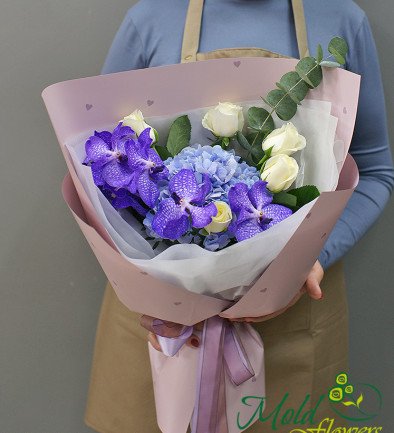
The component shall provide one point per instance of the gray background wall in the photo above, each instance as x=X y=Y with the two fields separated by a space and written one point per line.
x=51 y=284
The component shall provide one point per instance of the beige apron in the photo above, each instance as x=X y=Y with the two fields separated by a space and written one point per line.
x=304 y=348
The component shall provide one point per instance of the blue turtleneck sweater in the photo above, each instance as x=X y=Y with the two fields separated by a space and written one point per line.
x=151 y=35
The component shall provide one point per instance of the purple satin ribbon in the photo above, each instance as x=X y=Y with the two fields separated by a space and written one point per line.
x=171 y=336
x=221 y=352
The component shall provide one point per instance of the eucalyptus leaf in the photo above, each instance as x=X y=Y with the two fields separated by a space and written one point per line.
x=338 y=47
x=305 y=194
x=283 y=105
x=260 y=120
x=310 y=71
x=179 y=135
x=294 y=86
x=319 y=56
x=328 y=64
x=256 y=139
x=243 y=141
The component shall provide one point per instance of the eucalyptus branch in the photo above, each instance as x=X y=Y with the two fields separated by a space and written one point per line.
x=291 y=89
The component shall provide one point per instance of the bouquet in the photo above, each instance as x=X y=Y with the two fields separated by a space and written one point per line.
x=208 y=223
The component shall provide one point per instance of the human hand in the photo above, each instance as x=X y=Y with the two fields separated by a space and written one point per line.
x=311 y=287
x=193 y=341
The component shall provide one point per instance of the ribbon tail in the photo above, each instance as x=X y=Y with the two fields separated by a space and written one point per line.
x=209 y=414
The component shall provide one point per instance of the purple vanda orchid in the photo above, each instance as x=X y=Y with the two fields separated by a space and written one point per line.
x=185 y=208
x=254 y=210
x=147 y=168
x=122 y=198
x=106 y=154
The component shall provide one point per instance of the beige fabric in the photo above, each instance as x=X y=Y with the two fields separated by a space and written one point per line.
x=192 y=32
x=191 y=36
x=304 y=350
x=300 y=26
x=238 y=52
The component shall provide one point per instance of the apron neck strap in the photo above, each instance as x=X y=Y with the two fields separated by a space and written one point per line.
x=300 y=27
x=191 y=35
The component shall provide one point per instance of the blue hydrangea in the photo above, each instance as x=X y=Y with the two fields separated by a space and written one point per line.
x=224 y=170
x=217 y=241
x=222 y=166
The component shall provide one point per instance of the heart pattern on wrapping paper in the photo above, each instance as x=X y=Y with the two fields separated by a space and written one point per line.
x=88 y=107
x=149 y=102
x=237 y=64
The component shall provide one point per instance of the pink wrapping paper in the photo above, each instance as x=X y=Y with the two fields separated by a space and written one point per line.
x=83 y=105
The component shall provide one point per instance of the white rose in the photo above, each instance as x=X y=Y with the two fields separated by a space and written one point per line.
x=285 y=140
x=137 y=123
x=225 y=120
x=222 y=219
x=280 y=172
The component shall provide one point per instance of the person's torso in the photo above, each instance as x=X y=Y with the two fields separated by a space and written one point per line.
x=267 y=24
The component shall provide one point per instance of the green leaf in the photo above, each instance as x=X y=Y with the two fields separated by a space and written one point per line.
x=328 y=64
x=242 y=140
x=319 y=56
x=360 y=400
x=305 y=194
x=348 y=403
x=292 y=84
x=264 y=159
x=285 y=199
x=260 y=120
x=283 y=105
x=257 y=139
x=179 y=135
x=310 y=71
x=225 y=142
x=338 y=47
x=163 y=152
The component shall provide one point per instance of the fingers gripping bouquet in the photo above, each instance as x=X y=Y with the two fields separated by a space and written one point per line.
x=200 y=210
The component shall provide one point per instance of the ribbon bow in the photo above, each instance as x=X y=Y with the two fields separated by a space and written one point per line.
x=221 y=352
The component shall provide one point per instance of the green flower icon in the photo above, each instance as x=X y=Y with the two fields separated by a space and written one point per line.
x=336 y=395
x=342 y=379
x=349 y=389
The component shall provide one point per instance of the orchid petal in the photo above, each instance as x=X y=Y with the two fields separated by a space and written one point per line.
x=205 y=189
x=176 y=229
x=277 y=213
x=238 y=197
x=122 y=133
x=147 y=189
x=105 y=136
x=96 y=149
x=184 y=185
x=117 y=174
x=170 y=221
x=129 y=200
x=135 y=158
x=246 y=214
x=202 y=216
x=247 y=229
x=97 y=172
x=144 y=139
x=259 y=195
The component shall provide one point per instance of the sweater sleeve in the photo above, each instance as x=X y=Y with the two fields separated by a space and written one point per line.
x=127 y=51
x=370 y=148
